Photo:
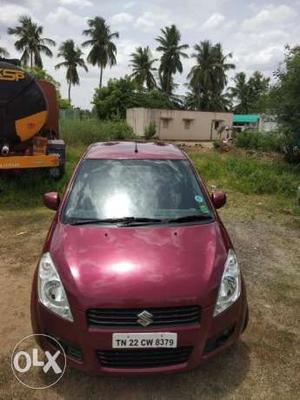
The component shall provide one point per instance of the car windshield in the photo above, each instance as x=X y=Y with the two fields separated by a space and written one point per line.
x=135 y=189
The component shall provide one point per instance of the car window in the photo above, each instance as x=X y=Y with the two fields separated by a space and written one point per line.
x=135 y=188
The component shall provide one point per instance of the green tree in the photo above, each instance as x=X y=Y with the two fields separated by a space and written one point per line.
x=240 y=93
x=250 y=96
x=142 y=65
x=112 y=101
x=3 y=52
x=219 y=102
x=172 y=53
x=208 y=77
x=285 y=97
x=259 y=87
x=40 y=73
x=31 y=42
x=103 y=50
x=72 y=60
x=221 y=66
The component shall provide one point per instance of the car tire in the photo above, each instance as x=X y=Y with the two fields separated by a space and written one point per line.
x=246 y=320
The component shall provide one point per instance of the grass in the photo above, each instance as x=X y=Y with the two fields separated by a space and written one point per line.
x=250 y=139
x=76 y=132
x=255 y=187
x=247 y=173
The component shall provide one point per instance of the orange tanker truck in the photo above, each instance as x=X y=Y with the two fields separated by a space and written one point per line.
x=29 y=131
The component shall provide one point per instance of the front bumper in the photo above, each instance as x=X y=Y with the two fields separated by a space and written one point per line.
x=208 y=338
x=35 y=161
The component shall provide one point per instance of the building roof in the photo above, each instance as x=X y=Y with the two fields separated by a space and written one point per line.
x=246 y=118
x=126 y=150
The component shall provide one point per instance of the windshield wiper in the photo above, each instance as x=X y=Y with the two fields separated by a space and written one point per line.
x=132 y=221
x=188 y=218
x=125 y=221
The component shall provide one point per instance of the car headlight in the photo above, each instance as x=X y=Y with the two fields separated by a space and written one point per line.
x=50 y=288
x=230 y=288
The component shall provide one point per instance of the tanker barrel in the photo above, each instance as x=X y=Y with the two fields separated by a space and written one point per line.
x=23 y=107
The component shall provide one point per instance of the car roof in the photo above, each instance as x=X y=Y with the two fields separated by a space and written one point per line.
x=127 y=150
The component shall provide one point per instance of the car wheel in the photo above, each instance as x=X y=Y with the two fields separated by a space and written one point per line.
x=246 y=320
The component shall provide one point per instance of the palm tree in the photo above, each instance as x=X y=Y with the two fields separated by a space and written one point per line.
x=103 y=51
x=3 y=52
x=172 y=52
x=30 y=41
x=222 y=66
x=249 y=95
x=208 y=77
x=73 y=59
x=240 y=92
x=220 y=102
x=142 y=64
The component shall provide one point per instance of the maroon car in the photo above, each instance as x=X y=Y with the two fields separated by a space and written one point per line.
x=138 y=273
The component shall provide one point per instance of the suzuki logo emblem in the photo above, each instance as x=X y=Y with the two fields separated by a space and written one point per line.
x=145 y=318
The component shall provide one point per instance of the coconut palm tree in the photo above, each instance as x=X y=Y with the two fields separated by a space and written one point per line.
x=240 y=92
x=249 y=95
x=142 y=65
x=208 y=78
x=222 y=65
x=3 y=52
x=172 y=53
x=103 y=50
x=72 y=60
x=30 y=41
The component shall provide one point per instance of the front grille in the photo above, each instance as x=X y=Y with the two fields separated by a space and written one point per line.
x=126 y=318
x=149 y=358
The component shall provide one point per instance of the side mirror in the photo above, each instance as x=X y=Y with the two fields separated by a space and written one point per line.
x=51 y=200
x=218 y=198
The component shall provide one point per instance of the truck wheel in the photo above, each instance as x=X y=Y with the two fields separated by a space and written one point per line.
x=57 y=172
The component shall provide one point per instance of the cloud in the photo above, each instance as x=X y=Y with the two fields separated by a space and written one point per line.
x=76 y=3
x=268 y=17
x=11 y=12
x=65 y=17
x=213 y=21
x=264 y=58
x=122 y=18
x=130 y=4
x=125 y=48
x=149 y=20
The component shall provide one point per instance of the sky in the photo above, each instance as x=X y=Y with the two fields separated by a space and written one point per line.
x=255 y=32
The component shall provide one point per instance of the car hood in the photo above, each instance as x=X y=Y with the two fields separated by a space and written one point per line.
x=139 y=266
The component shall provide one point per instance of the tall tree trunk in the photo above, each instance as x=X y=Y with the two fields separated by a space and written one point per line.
x=101 y=76
x=69 y=92
x=31 y=59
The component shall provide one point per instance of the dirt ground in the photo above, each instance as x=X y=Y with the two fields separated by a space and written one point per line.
x=264 y=365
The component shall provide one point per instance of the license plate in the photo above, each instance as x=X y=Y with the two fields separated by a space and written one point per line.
x=144 y=340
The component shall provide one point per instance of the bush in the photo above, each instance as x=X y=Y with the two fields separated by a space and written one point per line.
x=217 y=144
x=150 y=130
x=262 y=141
x=85 y=132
